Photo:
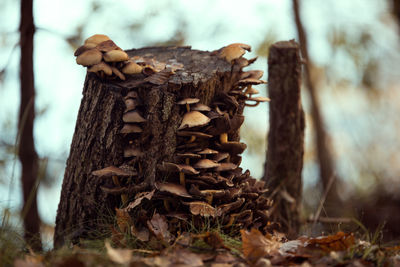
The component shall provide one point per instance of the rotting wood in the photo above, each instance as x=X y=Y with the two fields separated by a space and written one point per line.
x=168 y=75
x=284 y=161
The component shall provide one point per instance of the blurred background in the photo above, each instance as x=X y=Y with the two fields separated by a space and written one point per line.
x=354 y=54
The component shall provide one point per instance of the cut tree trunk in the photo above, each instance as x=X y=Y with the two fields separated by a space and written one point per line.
x=285 y=151
x=136 y=125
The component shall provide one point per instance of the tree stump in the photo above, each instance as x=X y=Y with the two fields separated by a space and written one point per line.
x=161 y=141
x=284 y=161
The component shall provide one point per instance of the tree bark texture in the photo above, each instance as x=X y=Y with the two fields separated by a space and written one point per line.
x=26 y=146
x=325 y=160
x=285 y=151
x=97 y=142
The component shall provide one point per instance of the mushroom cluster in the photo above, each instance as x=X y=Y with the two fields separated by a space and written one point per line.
x=104 y=58
x=203 y=180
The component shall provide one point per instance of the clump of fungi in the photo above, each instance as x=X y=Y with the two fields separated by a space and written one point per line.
x=203 y=180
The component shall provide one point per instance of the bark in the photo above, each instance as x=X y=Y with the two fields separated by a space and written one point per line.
x=285 y=151
x=26 y=147
x=325 y=160
x=97 y=143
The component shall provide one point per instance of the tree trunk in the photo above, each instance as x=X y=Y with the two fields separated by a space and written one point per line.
x=26 y=147
x=284 y=161
x=152 y=152
x=325 y=160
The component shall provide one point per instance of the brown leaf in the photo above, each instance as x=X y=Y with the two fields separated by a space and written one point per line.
x=138 y=199
x=159 y=227
x=121 y=256
x=184 y=257
x=256 y=245
x=201 y=208
x=213 y=239
x=340 y=241
x=124 y=220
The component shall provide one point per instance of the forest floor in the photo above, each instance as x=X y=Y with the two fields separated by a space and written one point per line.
x=209 y=248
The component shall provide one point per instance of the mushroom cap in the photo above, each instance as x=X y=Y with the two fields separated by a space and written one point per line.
x=175 y=189
x=233 y=147
x=97 y=39
x=220 y=156
x=118 y=73
x=132 y=68
x=89 y=57
x=102 y=66
x=188 y=155
x=234 y=51
x=111 y=171
x=254 y=74
x=251 y=90
x=205 y=164
x=250 y=81
x=208 y=151
x=197 y=134
x=116 y=56
x=132 y=152
x=131 y=128
x=188 y=101
x=133 y=116
x=213 y=192
x=131 y=104
x=201 y=107
x=172 y=167
x=225 y=166
x=84 y=48
x=192 y=119
x=131 y=94
x=107 y=46
x=259 y=99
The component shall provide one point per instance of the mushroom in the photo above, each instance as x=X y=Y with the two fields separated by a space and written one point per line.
x=253 y=74
x=115 y=56
x=97 y=39
x=250 y=81
x=130 y=104
x=118 y=73
x=201 y=208
x=132 y=152
x=187 y=102
x=250 y=90
x=133 y=116
x=232 y=146
x=225 y=166
x=89 y=57
x=192 y=119
x=101 y=67
x=84 y=48
x=207 y=151
x=174 y=189
x=107 y=46
x=234 y=51
x=132 y=68
x=257 y=100
x=220 y=156
x=181 y=168
x=201 y=107
x=131 y=128
x=205 y=164
x=210 y=194
x=131 y=94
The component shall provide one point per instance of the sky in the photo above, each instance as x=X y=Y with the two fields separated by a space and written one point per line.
x=210 y=24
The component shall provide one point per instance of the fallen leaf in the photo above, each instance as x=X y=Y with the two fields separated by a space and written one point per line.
x=255 y=245
x=184 y=257
x=213 y=239
x=159 y=227
x=142 y=234
x=121 y=256
x=138 y=199
x=124 y=220
x=338 y=242
x=201 y=208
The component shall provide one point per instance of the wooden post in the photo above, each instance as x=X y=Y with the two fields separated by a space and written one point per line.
x=285 y=151
x=161 y=163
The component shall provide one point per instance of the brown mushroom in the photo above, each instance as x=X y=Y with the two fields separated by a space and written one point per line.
x=97 y=39
x=192 y=119
x=187 y=102
x=115 y=56
x=174 y=189
x=132 y=68
x=131 y=128
x=89 y=58
x=107 y=46
x=253 y=74
x=102 y=66
x=118 y=73
x=130 y=104
x=201 y=208
x=133 y=116
x=225 y=166
x=250 y=81
x=205 y=164
x=201 y=107
x=83 y=48
x=234 y=51
x=258 y=100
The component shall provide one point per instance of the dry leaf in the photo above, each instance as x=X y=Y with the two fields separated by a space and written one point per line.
x=159 y=227
x=213 y=239
x=121 y=256
x=138 y=199
x=201 y=208
x=256 y=245
x=142 y=234
x=183 y=257
x=340 y=241
x=124 y=220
